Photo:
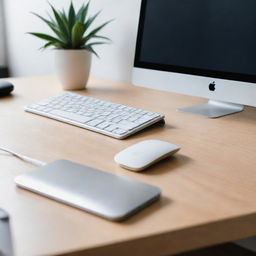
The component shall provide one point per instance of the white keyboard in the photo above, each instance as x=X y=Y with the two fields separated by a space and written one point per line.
x=112 y=119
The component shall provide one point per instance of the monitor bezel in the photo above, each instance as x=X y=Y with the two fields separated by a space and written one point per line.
x=181 y=69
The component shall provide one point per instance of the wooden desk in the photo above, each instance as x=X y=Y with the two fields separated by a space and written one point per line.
x=209 y=188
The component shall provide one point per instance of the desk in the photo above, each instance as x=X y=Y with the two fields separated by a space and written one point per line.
x=208 y=189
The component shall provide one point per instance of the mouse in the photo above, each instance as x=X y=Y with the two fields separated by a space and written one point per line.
x=145 y=153
x=5 y=88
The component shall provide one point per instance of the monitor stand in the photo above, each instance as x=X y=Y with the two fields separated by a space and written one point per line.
x=214 y=109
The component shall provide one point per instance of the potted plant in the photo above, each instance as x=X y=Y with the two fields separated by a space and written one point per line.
x=74 y=41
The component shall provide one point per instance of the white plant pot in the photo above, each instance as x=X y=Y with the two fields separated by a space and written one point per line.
x=73 y=68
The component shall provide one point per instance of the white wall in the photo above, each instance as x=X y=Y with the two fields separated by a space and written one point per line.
x=2 y=37
x=115 y=61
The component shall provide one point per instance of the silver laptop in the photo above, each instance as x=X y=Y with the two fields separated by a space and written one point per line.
x=101 y=193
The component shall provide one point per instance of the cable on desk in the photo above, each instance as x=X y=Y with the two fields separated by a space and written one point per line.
x=24 y=158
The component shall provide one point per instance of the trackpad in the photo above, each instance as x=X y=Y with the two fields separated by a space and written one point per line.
x=101 y=193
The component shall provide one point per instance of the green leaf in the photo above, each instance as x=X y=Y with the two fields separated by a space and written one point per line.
x=60 y=46
x=77 y=34
x=46 y=45
x=64 y=17
x=67 y=32
x=60 y=21
x=95 y=31
x=103 y=37
x=82 y=13
x=46 y=37
x=96 y=43
x=51 y=18
x=90 y=20
x=43 y=19
x=89 y=48
x=53 y=27
x=71 y=16
x=78 y=15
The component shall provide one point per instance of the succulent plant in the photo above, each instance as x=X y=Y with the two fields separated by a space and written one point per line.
x=72 y=29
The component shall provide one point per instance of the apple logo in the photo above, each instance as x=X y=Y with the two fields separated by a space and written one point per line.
x=212 y=86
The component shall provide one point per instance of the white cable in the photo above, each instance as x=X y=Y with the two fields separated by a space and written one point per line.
x=24 y=158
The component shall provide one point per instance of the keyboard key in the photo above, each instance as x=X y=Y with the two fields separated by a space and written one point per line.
x=41 y=108
x=126 y=125
x=111 y=128
x=146 y=118
x=103 y=125
x=120 y=131
x=71 y=116
x=94 y=122
x=133 y=118
x=116 y=120
x=141 y=121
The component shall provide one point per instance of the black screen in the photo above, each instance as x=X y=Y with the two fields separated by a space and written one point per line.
x=203 y=37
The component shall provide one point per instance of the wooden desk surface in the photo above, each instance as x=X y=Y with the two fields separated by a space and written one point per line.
x=209 y=188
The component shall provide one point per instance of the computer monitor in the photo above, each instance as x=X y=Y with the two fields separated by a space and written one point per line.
x=203 y=48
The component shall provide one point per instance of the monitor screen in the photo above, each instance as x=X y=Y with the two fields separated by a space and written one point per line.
x=215 y=38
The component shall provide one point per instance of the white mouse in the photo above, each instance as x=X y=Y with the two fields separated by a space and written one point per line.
x=145 y=153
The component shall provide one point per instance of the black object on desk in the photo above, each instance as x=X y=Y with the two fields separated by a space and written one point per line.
x=5 y=88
